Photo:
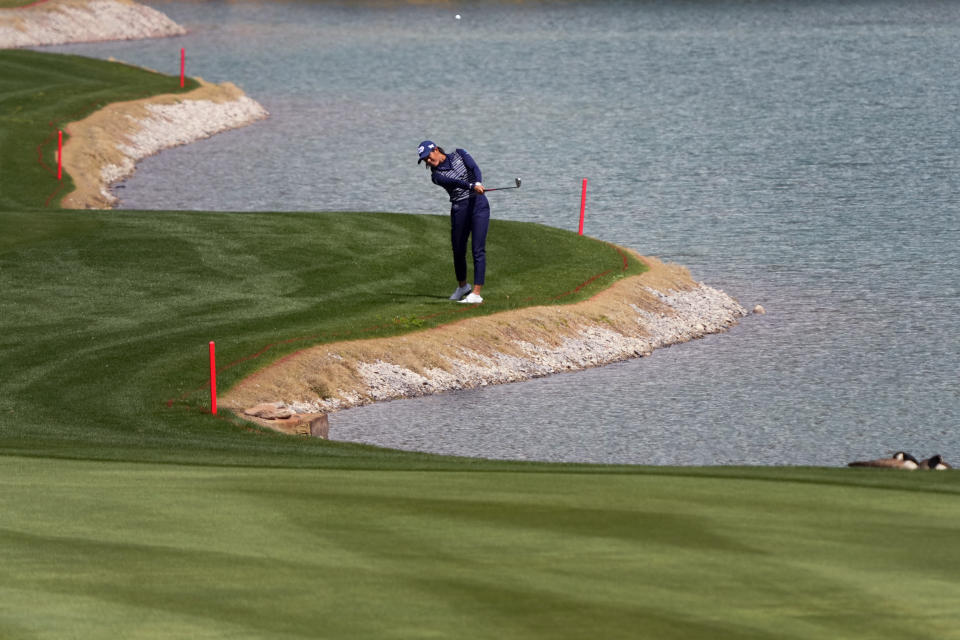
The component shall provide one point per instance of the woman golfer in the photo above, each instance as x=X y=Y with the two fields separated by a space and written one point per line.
x=469 y=213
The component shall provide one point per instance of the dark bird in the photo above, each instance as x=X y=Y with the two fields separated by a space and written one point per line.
x=935 y=462
x=899 y=460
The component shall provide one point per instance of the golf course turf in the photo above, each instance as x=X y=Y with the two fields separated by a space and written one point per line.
x=129 y=511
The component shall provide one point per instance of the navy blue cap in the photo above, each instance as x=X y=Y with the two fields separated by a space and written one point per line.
x=426 y=147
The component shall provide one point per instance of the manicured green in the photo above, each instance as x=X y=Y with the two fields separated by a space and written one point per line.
x=107 y=316
x=42 y=92
x=130 y=512
x=115 y=550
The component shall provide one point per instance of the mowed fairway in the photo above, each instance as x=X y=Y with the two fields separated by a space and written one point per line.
x=144 y=550
x=41 y=93
x=107 y=316
x=128 y=511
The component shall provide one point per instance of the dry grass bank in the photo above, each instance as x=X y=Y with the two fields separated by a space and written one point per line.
x=659 y=307
x=104 y=147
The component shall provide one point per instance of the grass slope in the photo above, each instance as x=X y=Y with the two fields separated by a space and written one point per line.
x=140 y=550
x=107 y=317
x=42 y=92
x=128 y=515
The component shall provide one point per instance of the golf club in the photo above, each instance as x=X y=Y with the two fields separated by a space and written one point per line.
x=502 y=188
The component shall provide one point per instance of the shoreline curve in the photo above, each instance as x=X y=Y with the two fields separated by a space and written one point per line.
x=660 y=307
x=104 y=148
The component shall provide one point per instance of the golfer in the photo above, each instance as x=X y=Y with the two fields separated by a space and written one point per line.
x=469 y=214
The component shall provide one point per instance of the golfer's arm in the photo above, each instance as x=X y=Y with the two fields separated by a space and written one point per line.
x=471 y=165
x=445 y=181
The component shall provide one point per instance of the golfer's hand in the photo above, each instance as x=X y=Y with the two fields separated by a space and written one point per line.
x=478 y=188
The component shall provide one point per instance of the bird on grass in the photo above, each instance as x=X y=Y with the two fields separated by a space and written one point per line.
x=899 y=460
x=936 y=463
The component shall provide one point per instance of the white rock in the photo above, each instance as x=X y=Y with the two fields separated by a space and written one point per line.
x=171 y=125
x=82 y=21
x=696 y=312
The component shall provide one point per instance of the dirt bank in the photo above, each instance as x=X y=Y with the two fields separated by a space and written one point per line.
x=661 y=307
x=64 y=21
x=104 y=148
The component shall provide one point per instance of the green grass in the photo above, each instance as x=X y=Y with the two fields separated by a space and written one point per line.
x=42 y=92
x=141 y=550
x=129 y=511
x=107 y=317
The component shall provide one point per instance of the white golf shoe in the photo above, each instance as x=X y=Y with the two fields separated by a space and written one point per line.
x=473 y=298
x=461 y=291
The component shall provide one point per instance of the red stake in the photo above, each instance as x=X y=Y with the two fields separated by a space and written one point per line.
x=583 y=203
x=183 y=61
x=213 y=379
x=59 y=155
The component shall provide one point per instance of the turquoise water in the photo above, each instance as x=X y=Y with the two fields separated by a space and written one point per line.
x=798 y=155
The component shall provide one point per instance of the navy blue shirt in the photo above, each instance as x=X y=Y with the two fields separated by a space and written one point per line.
x=457 y=174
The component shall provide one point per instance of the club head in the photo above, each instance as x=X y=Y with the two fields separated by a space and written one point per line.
x=518 y=183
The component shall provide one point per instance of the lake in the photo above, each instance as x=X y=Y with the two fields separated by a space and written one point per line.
x=798 y=155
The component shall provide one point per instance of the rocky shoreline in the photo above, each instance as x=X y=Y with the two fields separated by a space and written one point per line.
x=103 y=148
x=661 y=307
x=65 y=21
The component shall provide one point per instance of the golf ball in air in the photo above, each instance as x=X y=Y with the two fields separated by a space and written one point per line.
x=457 y=16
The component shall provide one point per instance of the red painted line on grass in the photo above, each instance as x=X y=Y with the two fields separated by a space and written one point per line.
x=52 y=195
x=40 y=147
x=623 y=256
x=318 y=336
x=582 y=285
x=462 y=309
x=263 y=350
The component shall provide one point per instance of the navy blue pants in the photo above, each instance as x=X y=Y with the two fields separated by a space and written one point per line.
x=470 y=217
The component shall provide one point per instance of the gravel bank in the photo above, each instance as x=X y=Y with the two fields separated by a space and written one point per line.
x=104 y=148
x=685 y=315
x=661 y=307
x=64 y=21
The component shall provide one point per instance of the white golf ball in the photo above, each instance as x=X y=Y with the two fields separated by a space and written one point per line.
x=457 y=16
